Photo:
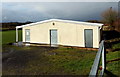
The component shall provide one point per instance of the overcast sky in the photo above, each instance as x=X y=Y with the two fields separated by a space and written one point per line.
x=37 y=11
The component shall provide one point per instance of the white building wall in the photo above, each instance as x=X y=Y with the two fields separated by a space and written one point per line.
x=68 y=33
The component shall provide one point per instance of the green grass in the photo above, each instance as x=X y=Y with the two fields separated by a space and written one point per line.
x=113 y=55
x=66 y=61
x=9 y=36
x=73 y=60
x=43 y=61
x=116 y=46
x=0 y=43
x=113 y=67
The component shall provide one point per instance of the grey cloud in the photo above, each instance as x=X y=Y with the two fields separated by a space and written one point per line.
x=32 y=11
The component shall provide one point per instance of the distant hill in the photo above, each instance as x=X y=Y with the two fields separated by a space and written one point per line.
x=11 y=25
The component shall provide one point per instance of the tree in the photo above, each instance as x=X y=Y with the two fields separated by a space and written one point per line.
x=117 y=25
x=109 y=16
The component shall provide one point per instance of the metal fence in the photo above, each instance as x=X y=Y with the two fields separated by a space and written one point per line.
x=99 y=56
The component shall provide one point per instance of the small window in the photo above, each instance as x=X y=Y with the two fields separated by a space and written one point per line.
x=27 y=35
x=53 y=23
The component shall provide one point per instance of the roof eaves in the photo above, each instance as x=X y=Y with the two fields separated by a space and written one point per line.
x=32 y=24
x=66 y=21
x=78 y=22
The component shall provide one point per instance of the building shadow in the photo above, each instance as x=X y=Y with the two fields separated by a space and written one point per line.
x=109 y=35
x=117 y=49
x=110 y=44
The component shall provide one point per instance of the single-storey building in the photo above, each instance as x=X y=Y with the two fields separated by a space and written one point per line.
x=62 y=32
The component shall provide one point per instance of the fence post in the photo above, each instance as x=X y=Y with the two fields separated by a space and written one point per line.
x=95 y=66
x=103 y=58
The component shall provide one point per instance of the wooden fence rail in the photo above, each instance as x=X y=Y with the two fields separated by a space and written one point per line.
x=100 y=54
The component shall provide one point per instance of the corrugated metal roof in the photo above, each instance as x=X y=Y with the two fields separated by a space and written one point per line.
x=59 y=20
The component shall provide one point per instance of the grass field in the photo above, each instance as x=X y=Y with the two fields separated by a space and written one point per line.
x=113 y=67
x=47 y=61
x=9 y=36
x=40 y=60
